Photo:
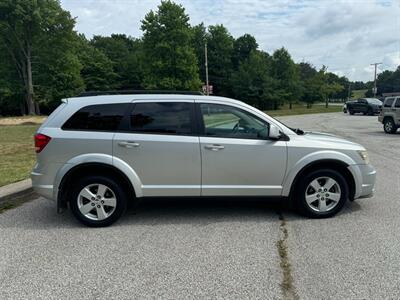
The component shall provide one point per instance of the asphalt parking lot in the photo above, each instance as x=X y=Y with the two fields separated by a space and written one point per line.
x=189 y=248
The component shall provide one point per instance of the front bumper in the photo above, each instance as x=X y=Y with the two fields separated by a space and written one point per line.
x=364 y=177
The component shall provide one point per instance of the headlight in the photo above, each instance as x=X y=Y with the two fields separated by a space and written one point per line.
x=364 y=155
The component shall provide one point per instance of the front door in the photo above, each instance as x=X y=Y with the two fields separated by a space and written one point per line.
x=161 y=147
x=237 y=157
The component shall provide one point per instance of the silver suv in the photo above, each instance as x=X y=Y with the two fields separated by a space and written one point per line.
x=390 y=114
x=97 y=153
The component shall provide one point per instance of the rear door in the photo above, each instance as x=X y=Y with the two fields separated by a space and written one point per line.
x=161 y=147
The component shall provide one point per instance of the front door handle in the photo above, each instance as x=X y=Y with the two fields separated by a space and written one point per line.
x=214 y=147
x=128 y=144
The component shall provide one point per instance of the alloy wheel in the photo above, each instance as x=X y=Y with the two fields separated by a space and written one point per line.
x=323 y=194
x=97 y=202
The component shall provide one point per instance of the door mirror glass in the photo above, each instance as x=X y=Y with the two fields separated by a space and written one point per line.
x=274 y=132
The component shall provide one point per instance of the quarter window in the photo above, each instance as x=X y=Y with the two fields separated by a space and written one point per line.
x=230 y=122
x=162 y=118
x=102 y=117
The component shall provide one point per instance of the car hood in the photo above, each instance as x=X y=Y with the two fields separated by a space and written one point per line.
x=330 y=139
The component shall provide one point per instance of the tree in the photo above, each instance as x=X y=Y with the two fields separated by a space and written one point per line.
x=220 y=51
x=125 y=55
x=252 y=82
x=284 y=70
x=242 y=47
x=97 y=71
x=26 y=27
x=170 y=61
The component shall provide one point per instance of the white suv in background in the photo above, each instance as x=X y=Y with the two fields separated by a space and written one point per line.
x=97 y=153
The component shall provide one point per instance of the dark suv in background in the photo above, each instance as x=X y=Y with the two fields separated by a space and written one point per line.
x=367 y=106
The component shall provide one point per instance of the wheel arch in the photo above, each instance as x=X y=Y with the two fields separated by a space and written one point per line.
x=333 y=164
x=89 y=168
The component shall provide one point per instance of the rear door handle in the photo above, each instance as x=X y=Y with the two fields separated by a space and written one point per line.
x=128 y=144
x=214 y=147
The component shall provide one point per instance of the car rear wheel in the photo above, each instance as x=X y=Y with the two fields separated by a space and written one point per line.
x=389 y=126
x=97 y=201
x=322 y=194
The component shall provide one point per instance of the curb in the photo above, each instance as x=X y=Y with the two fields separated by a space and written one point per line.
x=15 y=192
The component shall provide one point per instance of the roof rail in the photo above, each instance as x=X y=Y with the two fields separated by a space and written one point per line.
x=125 y=92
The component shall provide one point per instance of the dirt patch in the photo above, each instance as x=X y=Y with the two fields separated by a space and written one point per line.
x=287 y=284
x=31 y=120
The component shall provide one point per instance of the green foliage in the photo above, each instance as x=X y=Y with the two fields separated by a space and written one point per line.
x=388 y=81
x=285 y=72
x=252 y=82
x=170 y=60
x=97 y=72
x=38 y=36
x=220 y=51
x=242 y=47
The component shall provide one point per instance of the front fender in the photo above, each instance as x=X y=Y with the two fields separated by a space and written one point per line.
x=100 y=158
x=324 y=155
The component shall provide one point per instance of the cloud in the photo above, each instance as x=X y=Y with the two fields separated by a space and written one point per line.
x=346 y=36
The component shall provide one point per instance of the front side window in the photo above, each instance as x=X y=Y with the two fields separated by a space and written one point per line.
x=162 y=118
x=231 y=122
x=388 y=102
x=101 y=117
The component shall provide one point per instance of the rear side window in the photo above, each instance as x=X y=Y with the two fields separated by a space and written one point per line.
x=102 y=117
x=388 y=102
x=162 y=118
x=397 y=104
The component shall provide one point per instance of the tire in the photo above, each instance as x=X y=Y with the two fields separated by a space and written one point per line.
x=351 y=112
x=96 y=192
x=315 y=203
x=389 y=126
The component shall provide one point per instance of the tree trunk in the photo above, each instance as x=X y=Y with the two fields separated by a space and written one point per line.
x=326 y=102
x=290 y=105
x=29 y=85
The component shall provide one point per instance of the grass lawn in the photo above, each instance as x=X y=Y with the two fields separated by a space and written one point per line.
x=299 y=109
x=17 y=152
x=358 y=94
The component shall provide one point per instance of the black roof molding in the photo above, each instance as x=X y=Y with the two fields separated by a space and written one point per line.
x=138 y=92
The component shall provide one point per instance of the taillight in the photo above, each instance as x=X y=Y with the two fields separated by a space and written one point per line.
x=41 y=141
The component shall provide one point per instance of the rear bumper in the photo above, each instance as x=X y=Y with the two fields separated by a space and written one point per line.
x=364 y=177
x=43 y=179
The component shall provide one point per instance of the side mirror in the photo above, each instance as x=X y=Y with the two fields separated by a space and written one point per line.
x=274 y=132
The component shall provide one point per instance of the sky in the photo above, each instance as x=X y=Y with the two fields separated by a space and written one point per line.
x=346 y=36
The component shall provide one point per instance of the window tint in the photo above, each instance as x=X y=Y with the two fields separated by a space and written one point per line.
x=388 y=102
x=397 y=104
x=162 y=118
x=231 y=122
x=103 y=117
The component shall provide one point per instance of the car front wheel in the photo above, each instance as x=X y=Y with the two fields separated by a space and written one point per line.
x=322 y=194
x=97 y=201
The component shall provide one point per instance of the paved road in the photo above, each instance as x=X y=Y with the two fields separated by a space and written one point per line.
x=357 y=254
x=215 y=249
